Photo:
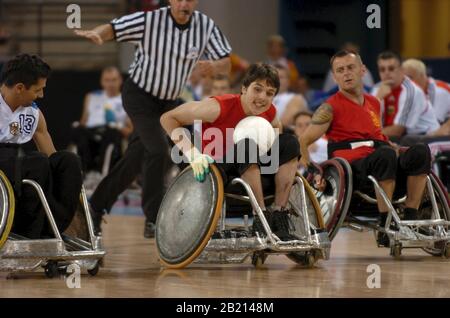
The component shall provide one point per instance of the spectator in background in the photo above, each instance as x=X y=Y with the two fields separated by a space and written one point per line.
x=330 y=83
x=103 y=122
x=276 y=55
x=437 y=92
x=287 y=103
x=238 y=68
x=404 y=107
x=220 y=85
x=303 y=87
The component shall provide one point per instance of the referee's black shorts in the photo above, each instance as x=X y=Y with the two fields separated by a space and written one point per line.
x=289 y=149
x=383 y=164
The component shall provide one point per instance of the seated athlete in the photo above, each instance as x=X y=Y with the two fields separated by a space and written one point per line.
x=351 y=121
x=103 y=122
x=260 y=85
x=23 y=79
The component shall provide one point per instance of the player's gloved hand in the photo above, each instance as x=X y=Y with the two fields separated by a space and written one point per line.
x=200 y=165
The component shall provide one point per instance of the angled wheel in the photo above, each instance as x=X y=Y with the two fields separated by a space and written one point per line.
x=335 y=200
x=188 y=217
x=313 y=210
x=426 y=210
x=7 y=208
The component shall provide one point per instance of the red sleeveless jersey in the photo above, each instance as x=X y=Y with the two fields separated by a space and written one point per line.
x=231 y=113
x=352 y=122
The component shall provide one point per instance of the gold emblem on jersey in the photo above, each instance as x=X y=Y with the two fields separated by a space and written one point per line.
x=391 y=110
x=14 y=128
x=375 y=119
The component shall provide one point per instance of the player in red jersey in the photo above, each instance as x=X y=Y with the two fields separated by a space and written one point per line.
x=222 y=114
x=351 y=121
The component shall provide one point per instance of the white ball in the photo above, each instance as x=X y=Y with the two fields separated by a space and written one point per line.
x=258 y=129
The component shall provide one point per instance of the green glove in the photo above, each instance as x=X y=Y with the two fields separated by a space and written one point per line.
x=200 y=165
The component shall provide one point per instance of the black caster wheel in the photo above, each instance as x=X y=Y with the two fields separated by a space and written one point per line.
x=258 y=259
x=309 y=260
x=94 y=271
x=51 y=269
x=396 y=250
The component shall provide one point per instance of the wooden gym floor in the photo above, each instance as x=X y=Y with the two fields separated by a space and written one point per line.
x=131 y=269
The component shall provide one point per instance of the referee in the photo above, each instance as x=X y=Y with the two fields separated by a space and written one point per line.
x=169 y=42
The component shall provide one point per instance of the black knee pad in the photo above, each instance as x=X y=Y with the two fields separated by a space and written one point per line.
x=289 y=148
x=416 y=160
x=384 y=163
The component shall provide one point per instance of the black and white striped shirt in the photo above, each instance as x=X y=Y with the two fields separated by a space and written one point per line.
x=167 y=52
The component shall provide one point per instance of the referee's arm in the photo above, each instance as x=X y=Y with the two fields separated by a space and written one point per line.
x=213 y=68
x=99 y=34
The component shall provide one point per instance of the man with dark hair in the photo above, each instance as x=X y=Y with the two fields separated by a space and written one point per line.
x=260 y=85
x=404 y=106
x=352 y=125
x=23 y=80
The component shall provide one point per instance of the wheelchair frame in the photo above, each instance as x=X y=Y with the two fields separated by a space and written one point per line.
x=406 y=234
x=237 y=247
x=19 y=254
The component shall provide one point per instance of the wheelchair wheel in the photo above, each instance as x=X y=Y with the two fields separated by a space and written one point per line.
x=314 y=215
x=335 y=200
x=426 y=210
x=7 y=208
x=188 y=217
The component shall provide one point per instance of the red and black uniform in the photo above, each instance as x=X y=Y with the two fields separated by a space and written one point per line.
x=353 y=123
x=231 y=113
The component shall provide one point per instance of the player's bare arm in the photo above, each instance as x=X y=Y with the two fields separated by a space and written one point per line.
x=42 y=138
x=206 y=111
x=321 y=121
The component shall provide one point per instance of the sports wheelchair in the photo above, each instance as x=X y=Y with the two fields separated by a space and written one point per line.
x=193 y=224
x=342 y=206
x=18 y=253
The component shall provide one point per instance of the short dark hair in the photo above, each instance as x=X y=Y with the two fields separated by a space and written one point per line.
x=387 y=55
x=302 y=113
x=262 y=71
x=342 y=53
x=24 y=68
